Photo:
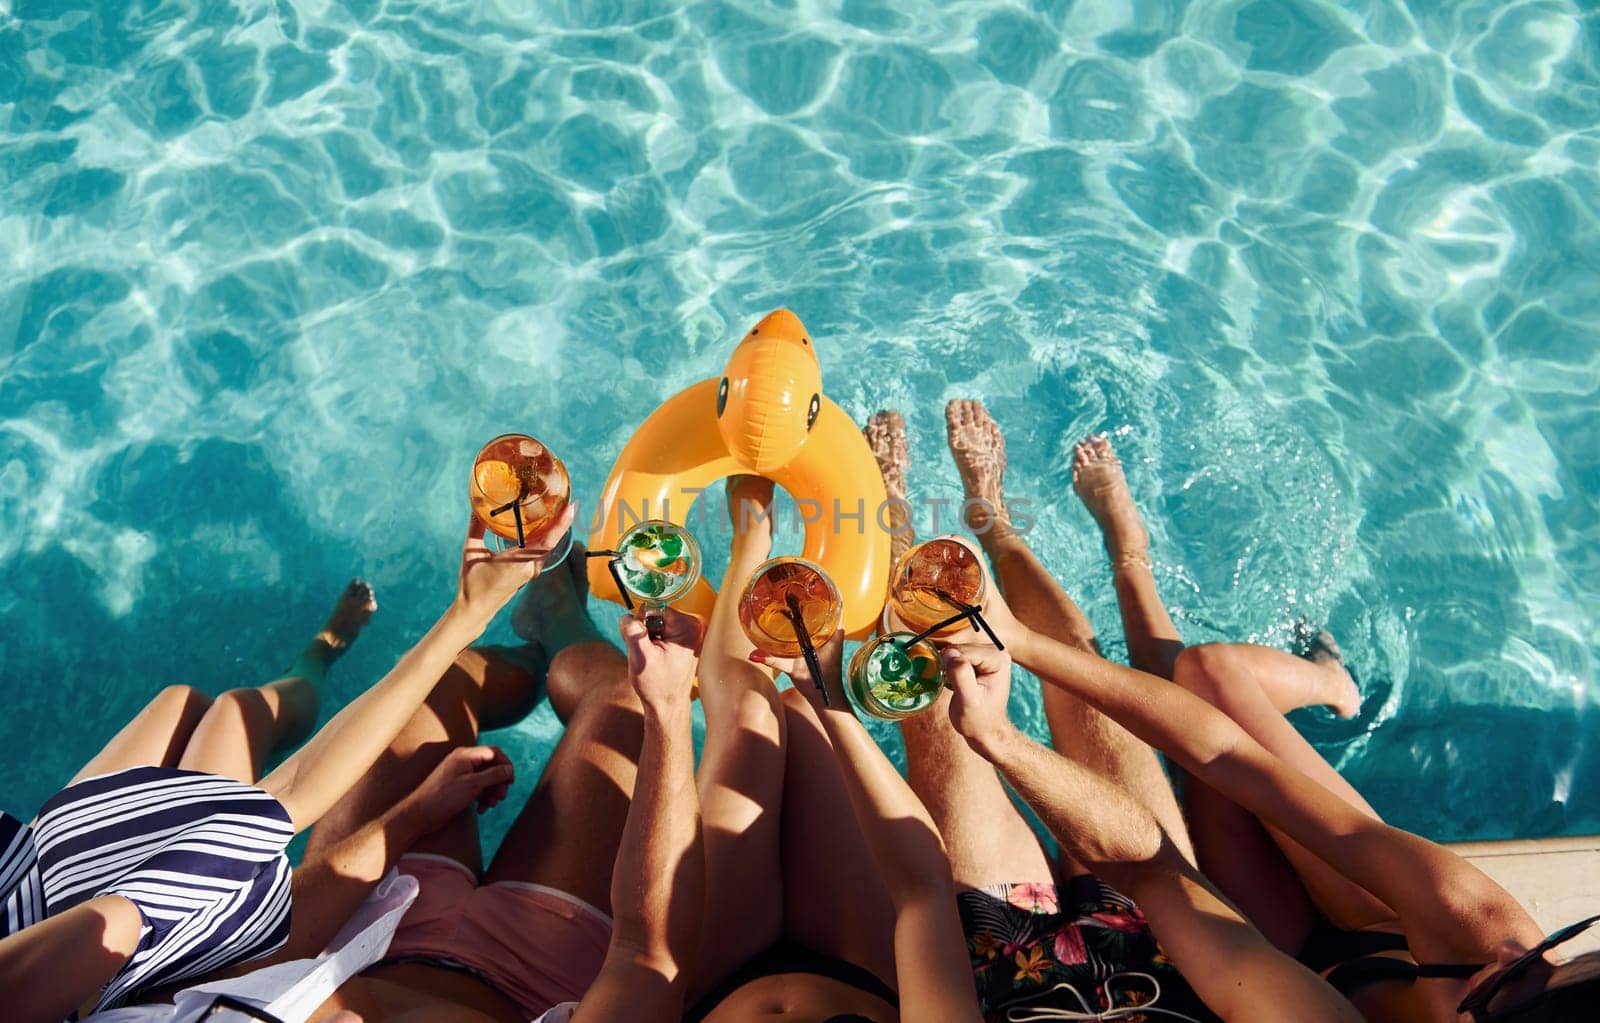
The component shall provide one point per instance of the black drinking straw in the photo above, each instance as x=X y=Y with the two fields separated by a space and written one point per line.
x=806 y=648
x=515 y=508
x=968 y=611
x=616 y=575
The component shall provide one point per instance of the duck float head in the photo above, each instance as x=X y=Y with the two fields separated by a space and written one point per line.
x=770 y=393
x=766 y=416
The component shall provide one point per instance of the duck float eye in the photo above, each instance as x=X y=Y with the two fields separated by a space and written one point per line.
x=811 y=413
x=722 y=397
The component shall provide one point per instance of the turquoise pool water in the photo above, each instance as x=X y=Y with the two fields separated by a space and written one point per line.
x=1329 y=272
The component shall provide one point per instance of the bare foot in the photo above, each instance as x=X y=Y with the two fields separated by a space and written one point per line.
x=350 y=615
x=886 y=436
x=979 y=450
x=1097 y=477
x=749 y=507
x=1341 y=694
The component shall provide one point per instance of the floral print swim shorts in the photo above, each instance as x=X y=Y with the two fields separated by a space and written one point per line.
x=1082 y=949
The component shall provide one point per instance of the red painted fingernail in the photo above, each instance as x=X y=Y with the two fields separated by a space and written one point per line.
x=758 y=657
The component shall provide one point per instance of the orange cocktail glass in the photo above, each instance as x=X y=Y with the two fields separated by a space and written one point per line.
x=519 y=488
x=935 y=580
x=778 y=590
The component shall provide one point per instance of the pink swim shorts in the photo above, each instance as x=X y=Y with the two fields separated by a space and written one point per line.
x=536 y=945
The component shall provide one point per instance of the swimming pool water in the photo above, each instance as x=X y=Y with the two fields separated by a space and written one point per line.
x=1329 y=272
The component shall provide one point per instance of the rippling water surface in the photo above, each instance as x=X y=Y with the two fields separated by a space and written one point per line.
x=1329 y=272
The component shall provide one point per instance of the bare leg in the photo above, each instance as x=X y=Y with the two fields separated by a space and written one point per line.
x=480 y=691
x=1232 y=846
x=1230 y=677
x=833 y=899
x=568 y=833
x=553 y=616
x=741 y=776
x=245 y=727
x=986 y=837
x=1153 y=641
x=1039 y=602
x=449 y=718
x=886 y=435
x=156 y=736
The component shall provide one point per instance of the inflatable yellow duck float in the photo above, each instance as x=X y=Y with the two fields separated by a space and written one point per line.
x=765 y=416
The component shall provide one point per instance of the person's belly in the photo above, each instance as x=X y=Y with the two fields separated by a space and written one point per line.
x=413 y=993
x=800 y=998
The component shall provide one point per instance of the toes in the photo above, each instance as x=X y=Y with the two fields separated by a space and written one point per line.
x=360 y=592
x=886 y=431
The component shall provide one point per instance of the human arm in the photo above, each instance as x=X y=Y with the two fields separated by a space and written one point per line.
x=1450 y=911
x=658 y=884
x=1118 y=838
x=330 y=886
x=323 y=770
x=932 y=967
x=52 y=968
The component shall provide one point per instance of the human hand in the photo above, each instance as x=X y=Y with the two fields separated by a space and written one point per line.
x=489 y=579
x=662 y=669
x=981 y=678
x=468 y=775
x=830 y=658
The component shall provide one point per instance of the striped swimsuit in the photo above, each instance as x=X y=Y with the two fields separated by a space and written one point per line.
x=201 y=856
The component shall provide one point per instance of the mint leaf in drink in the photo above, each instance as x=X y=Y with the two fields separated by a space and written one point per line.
x=895 y=665
x=649 y=584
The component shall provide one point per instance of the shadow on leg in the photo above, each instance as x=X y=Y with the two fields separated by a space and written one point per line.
x=156 y=737
x=1076 y=729
x=245 y=727
x=1040 y=603
x=567 y=835
x=741 y=775
x=1229 y=678
x=987 y=839
x=834 y=900
x=448 y=718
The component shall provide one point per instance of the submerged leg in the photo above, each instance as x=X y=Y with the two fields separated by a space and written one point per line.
x=245 y=727
x=985 y=835
x=553 y=616
x=1153 y=640
x=1040 y=603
